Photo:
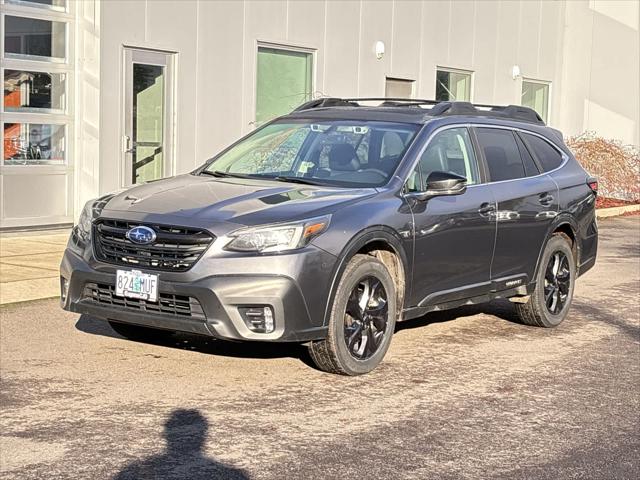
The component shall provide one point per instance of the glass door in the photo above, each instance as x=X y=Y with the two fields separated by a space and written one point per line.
x=147 y=141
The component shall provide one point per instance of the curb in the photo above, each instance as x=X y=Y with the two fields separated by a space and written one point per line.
x=26 y=300
x=615 y=211
x=29 y=289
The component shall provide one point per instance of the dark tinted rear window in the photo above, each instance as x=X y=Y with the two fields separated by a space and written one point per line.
x=530 y=167
x=548 y=157
x=502 y=154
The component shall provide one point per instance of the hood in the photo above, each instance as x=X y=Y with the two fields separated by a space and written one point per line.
x=240 y=201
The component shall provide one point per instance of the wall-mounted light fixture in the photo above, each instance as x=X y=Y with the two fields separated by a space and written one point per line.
x=515 y=72
x=379 y=48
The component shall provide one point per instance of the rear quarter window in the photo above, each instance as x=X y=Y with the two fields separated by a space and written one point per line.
x=530 y=167
x=548 y=157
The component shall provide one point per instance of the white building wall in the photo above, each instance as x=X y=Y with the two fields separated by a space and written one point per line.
x=586 y=49
x=217 y=44
x=87 y=101
x=601 y=69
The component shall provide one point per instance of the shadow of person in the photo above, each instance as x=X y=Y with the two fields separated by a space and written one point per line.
x=185 y=433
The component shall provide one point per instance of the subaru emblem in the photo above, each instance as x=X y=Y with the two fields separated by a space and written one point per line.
x=141 y=235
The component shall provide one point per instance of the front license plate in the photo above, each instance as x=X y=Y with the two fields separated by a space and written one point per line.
x=135 y=284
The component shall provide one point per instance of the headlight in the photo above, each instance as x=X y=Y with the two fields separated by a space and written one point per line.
x=90 y=212
x=277 y=238
x=84 y=222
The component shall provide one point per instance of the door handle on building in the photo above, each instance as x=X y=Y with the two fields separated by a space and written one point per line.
x=127 y=146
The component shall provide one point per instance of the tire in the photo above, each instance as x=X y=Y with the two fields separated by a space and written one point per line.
x=549 y=303
x=138 y=332
x=365 y=281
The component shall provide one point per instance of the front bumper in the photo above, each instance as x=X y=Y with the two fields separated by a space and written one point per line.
x=298 y=306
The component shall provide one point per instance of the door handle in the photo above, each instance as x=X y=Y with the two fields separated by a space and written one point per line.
x=546 y=199
x=486 y=208
x=126 y=144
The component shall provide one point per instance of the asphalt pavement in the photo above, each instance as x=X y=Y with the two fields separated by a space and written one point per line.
x=468 y=393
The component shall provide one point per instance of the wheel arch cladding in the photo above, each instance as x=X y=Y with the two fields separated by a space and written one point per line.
x=384 y=244
x=566 y=226
x=391 y=259
x=567 y=230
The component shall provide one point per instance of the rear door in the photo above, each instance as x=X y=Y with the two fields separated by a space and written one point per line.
x=453 y=235
x=527 y=202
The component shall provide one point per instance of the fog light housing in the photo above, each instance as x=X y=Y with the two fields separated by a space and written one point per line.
x=64 y=289
x=258 y=319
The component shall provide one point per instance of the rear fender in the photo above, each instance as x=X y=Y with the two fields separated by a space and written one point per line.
x=560 y=221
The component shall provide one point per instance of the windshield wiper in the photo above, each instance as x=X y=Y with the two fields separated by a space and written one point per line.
x=304 y=181
x=278 y=178
x=220 y=174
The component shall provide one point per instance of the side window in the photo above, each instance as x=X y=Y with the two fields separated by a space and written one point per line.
x=548 y=156
x=501 y=153
x=449 y=151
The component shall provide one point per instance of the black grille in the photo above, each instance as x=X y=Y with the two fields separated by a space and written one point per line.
x=168 y=303
x=175 y=249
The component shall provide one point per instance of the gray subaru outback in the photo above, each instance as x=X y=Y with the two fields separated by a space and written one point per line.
x=329 y=225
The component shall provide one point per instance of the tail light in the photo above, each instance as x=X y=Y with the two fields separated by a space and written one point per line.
x=593 y=184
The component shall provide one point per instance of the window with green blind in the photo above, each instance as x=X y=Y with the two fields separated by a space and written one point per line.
x=284 y=81
x=536 y=95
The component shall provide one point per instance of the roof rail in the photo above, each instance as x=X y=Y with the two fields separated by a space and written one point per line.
x=438 y=108
x=394 y=101
x=325 y=102
x=515 y=112
x=355 y=102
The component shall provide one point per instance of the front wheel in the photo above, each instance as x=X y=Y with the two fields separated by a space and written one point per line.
x=362 y=321
x=549 y=303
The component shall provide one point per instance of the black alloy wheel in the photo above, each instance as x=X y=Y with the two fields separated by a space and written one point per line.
x=557 y=280
x=362 y=319
x=550 y=301
x=366 y=318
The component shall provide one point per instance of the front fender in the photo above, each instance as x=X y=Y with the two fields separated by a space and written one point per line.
x=377 y=233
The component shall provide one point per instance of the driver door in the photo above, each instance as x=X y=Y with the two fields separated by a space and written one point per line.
x=454 y=235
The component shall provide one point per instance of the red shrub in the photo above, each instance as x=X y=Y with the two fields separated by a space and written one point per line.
x=617 y=166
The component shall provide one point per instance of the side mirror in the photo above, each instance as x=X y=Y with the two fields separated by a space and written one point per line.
x=441 y=183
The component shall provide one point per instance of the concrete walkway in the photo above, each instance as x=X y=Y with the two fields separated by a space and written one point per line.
x=29 y=265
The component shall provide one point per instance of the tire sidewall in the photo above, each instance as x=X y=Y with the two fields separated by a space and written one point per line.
x=365 y=267
x=555 y=244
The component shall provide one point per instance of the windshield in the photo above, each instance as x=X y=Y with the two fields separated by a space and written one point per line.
x=339 y=153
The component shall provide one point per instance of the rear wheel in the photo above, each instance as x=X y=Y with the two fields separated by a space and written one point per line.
x=362 y=319
x=138 y=332
x=549 y=304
